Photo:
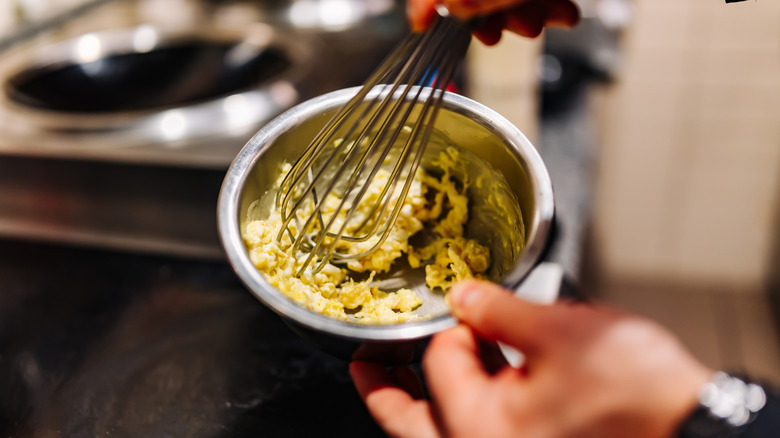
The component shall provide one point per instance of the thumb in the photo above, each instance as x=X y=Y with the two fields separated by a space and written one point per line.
x=466 y=9
x=496 y=314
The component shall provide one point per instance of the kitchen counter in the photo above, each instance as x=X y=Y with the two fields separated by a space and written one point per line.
x=100 y=341
x=96 y=342
x=84 y=161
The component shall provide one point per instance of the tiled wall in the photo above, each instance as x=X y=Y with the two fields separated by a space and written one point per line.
x=688 y=180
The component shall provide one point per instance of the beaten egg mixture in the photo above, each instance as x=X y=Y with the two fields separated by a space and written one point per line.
x=435 y=203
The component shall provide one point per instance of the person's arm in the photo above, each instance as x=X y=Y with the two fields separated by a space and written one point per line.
x=524 y=17
x=590 y=371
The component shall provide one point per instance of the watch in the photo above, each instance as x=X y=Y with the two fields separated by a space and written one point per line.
x=727 y=406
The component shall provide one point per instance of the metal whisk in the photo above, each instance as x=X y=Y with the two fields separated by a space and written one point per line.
x=385 y=127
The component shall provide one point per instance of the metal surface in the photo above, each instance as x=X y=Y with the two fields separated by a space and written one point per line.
x=474 y=128
x=323 y=16
x=139 y=169
x=179 y=82
x=138 y=208
x=126 y=88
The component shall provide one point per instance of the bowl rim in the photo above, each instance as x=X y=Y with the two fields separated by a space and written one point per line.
x=230 y=236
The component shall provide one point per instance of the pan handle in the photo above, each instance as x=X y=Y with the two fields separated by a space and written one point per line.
x=544 y=285
x=551 y=281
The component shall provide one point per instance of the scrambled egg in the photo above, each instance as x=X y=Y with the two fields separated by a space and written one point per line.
x=437 y=204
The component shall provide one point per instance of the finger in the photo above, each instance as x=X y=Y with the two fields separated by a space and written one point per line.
x=527 y=20
x=466 y=9
x=409 y=381
x=496 y=314
x=489 y=32
x=562 y=13
x=370 y=377
x=488 y=37
x=491 y=356
x=393 y=408
x=420 y=13
x=453 y=368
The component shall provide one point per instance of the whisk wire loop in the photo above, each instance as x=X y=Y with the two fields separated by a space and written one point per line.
x=384 y=127
x=321 y=141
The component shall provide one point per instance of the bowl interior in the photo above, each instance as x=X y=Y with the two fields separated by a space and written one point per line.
x=501 y=190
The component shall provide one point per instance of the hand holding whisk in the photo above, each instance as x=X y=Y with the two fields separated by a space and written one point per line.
x=324 y=199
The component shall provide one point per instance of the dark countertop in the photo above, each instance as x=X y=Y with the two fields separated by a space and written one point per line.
x=97 y=343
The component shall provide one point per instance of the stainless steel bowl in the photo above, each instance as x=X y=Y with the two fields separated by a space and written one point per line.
x=492 y=147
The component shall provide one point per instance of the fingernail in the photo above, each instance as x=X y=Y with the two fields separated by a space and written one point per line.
x=461 y=297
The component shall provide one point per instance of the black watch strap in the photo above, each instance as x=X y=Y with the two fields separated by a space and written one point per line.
x=731 y=407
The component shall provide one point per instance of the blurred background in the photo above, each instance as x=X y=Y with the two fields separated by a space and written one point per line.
x=679 y=144
x=685 y=214
x=659 y=121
